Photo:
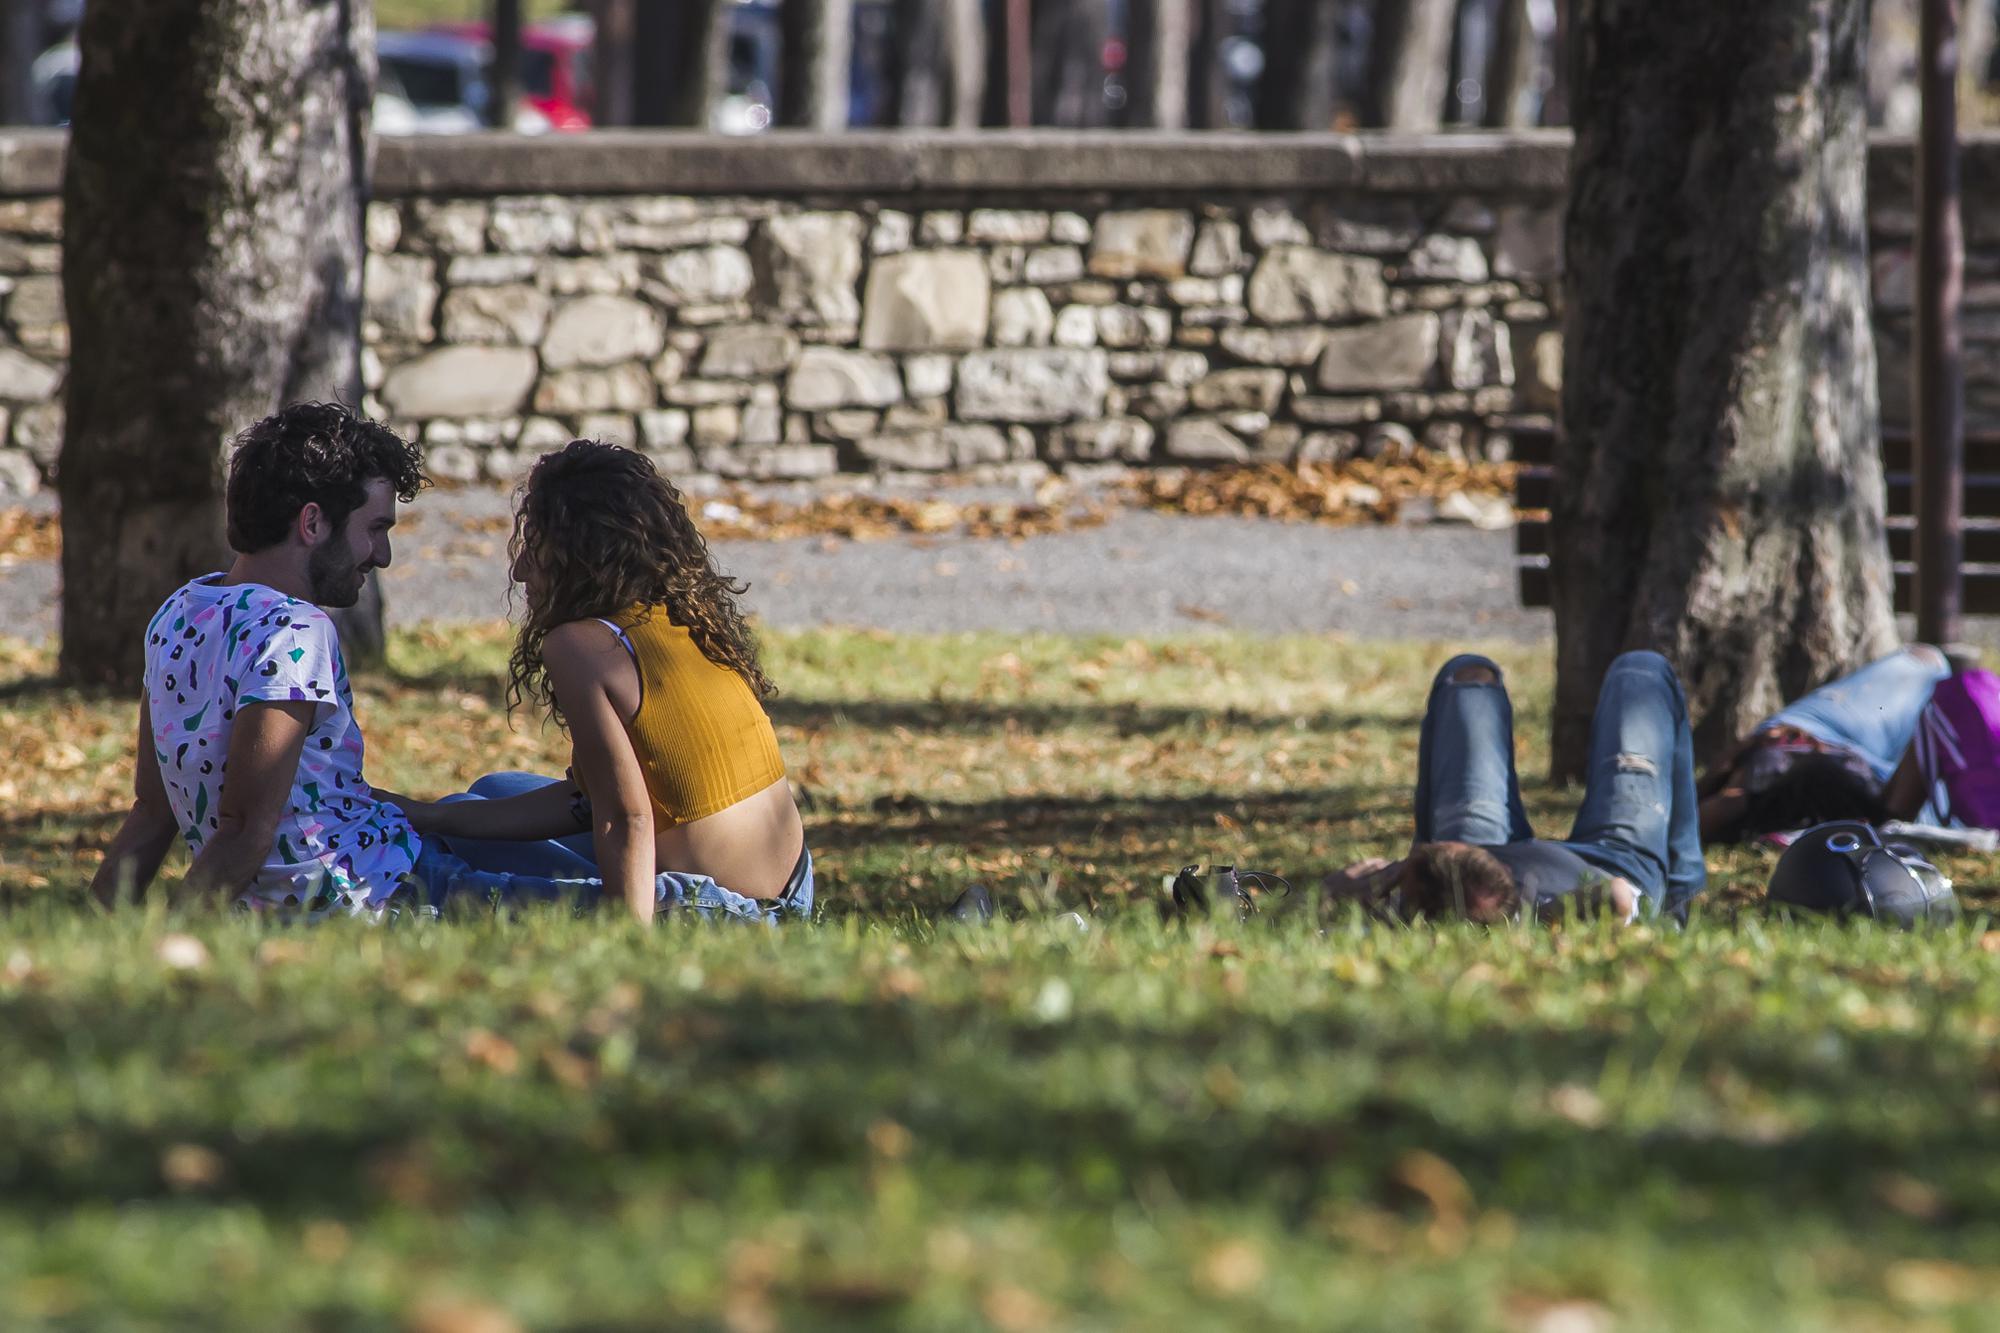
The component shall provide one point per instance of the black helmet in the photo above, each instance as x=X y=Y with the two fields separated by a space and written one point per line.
x=1846 y=868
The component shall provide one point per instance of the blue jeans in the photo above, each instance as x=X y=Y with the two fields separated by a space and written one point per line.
x=1872 y=712
x=565 y=870
x=1638 y=818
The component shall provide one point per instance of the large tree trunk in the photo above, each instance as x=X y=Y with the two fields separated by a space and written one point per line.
x=680 y=61
x=818 y=45
x=1412 y=63
x=212 y=269
x=1299 y=89
x=1511 y=69
x=1720 y=494
x=1158 y=41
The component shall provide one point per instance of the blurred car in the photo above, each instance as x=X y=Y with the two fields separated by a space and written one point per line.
x=556 y=73
x=435 y=83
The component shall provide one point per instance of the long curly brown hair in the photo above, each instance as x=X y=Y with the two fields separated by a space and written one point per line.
x=606 y=532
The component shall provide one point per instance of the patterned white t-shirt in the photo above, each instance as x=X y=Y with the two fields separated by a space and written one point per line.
x=214 y=648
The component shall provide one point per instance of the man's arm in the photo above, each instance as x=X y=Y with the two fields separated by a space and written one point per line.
x=148 y=831
x=264 y=746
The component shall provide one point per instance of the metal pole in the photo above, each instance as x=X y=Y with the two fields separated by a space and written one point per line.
x=1940 y=371
x=1020 y=106
x=503 y=85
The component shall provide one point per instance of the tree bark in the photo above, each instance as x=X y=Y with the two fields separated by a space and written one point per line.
x=1511 y=68
x=212 y=212
x=818 y=45
x=680 y=61
x=1720 y=492
x=1299 y=89
x=1412 y=63
x=1157 y=46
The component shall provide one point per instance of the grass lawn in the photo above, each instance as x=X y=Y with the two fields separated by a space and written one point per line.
x=213 y=1123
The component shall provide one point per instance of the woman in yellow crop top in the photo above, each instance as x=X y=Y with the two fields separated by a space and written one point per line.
x=632 y=639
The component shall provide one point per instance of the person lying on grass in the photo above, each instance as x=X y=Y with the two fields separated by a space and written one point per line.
x=1633 y=852
x=1834 y=754
x=633 y=641
x=248 y=747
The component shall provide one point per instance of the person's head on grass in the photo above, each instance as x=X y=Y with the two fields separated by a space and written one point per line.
x=312 y=496
x=1443 y=881
x=598 y=532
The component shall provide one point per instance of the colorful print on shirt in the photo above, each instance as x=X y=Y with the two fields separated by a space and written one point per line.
x=213 y=649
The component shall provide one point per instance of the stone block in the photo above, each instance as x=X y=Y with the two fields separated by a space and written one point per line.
x=828 y=377
x=399 y=296
x=1076 y=326
x=1156 y=402
x=1218 y=249
x=1069 y=229
x=382 y=228
x=451 y=462
x=928 y=376
x=19 y=477
x=461 y=381
x=1125 y=439
x=1336 y=411
x=451 y=226
x=912 y=416
x=784 y=462
x=1145 y=242
x=26 y=380
x=1394 y=353
x=613 y=427
x=847 y=423
x=1296 y=346
x=532 y=225
x=39 y=430
x=763 y=423
x=1005 y=264
x=752 y=351
x=1006 y=226
x=1204 y=440
x=807 y=266
x=1479 y=349
x=700 y=393
x=1327 y=447
x=1295 y=285
x=1022 y=317
x=705 y=275
x=720 y=423
x=1133 y=326
x=1053 y=263
x=602 y=331
x=664 y=427
x=669 y=366
x=627 y=388
x=1252 y=389
x=1173 y=367
x=1277 y=442
x=1542 y=390
x=1031 y=384
x=941 y=227
x=488 y=270
x=1225 y=290
x=1529 y=243
x=1274 y=224
x=891 y=233
x=40 y=219
x=36 y=300
x=1440 y=258
x=924 y=300
x=1375 y=227
x=19 y=256
x=602 y=275
x=937 y=448
x=511 y=315
x=541 y=434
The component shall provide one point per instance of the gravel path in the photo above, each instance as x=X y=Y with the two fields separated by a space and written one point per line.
x=1141 y=573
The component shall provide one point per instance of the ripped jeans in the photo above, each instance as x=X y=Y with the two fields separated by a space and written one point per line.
x=1638 y=818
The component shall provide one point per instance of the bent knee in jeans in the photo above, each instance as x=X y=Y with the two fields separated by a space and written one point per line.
x=1469 y=669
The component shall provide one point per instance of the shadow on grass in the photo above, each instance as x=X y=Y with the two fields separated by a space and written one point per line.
x=1007 y=1112
x=979 y=717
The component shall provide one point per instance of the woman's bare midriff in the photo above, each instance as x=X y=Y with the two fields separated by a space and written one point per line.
x=751 y=847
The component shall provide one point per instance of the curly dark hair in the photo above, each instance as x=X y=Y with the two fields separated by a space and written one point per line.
x=1442 y=880
x=607 y=532
x=312 y=453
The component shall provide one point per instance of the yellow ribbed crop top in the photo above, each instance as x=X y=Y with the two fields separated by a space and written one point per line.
x=701 y=734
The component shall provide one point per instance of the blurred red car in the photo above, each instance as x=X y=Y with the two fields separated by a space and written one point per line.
x=555 y=66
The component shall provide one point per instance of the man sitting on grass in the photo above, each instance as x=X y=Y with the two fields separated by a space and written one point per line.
x=1634 y=851
x=248 y=747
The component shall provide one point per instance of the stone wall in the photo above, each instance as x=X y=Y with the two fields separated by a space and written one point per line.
x=794 y=306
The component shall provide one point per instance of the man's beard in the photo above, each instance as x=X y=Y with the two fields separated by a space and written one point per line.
x=333 y=576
